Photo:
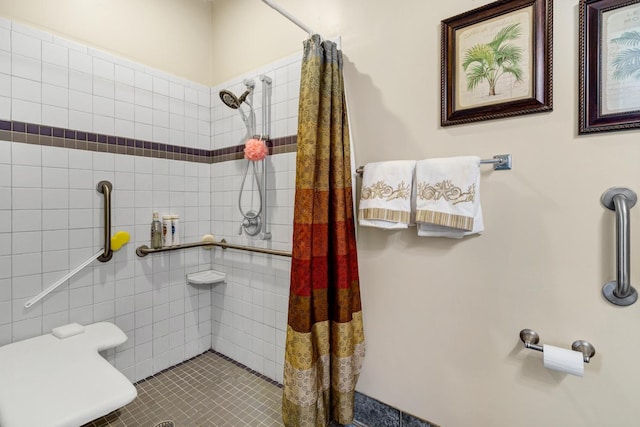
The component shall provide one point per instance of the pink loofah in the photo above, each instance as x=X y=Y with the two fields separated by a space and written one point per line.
x=255 y=150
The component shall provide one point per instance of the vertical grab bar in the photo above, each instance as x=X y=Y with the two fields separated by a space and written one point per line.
x=619 y=291
x=105 y=188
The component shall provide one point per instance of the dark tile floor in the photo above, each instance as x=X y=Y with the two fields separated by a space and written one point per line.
x=209 y=390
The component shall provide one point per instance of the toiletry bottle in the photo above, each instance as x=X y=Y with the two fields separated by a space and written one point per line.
x=166 y=230
x=175 y=230
x=156 y=232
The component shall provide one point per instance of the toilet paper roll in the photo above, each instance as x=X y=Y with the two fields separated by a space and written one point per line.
x=563 y=360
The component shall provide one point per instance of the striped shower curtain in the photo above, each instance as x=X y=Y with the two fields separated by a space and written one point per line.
x=325 y=339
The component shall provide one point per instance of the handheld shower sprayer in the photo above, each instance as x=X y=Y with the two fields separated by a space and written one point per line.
x=232 y=101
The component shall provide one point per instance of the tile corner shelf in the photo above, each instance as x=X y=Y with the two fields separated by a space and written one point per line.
x=208 y=277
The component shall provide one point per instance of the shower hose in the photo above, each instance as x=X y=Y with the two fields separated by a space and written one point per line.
x=251 y=221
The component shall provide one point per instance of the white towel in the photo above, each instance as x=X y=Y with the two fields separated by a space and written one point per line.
x=448 y=197
x=385 y=197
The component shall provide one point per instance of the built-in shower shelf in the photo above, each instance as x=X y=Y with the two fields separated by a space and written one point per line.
x=208 y=277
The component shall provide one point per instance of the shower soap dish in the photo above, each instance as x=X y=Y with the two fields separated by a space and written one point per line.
x=208 y=277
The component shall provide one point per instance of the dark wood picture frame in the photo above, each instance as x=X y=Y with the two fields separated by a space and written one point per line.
x=527 y=87
x=608 y=102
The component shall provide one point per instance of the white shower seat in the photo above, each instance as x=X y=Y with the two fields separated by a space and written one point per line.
x=51 y=382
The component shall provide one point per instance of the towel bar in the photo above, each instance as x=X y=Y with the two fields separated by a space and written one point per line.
x=499 y=162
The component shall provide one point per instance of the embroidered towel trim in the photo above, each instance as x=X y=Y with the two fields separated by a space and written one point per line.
x=446 y=192
x=442 y=218
x=385 y=196
x=431 y=230
x=384 y=215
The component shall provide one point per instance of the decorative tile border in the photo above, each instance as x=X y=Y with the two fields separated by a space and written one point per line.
x=282 y=145
x=30 y=133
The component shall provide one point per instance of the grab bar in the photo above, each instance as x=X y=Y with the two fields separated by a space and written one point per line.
x=144 y=250
x=103 y=255
x=105 y=188
x=619 y=291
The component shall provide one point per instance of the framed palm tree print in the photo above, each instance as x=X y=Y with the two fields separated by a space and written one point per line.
x=609 y=65
x=496 y=61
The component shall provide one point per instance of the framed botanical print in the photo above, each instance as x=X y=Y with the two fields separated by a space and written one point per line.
x=609 y=65
x=496 y=61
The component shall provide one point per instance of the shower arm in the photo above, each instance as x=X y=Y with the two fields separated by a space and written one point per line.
x=620 y=292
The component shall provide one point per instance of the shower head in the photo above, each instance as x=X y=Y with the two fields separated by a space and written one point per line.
x=232 y=101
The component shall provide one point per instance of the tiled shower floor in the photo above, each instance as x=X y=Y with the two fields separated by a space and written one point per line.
x=208 y=390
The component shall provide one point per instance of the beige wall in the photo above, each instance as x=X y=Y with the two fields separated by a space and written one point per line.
x=442 y=317
x=247 y=35
x=171 y=35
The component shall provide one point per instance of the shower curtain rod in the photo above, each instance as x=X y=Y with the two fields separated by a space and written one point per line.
x=289 y=16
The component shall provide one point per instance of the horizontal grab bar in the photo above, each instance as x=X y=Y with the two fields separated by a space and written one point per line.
x=144 y=250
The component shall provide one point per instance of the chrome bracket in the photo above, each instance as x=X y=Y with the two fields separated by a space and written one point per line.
x=504 y=164
x=607 y=197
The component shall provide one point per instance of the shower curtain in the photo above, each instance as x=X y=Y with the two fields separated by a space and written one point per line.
x=325 y=338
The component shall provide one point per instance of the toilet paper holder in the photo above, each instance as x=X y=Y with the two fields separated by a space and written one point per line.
x=530 y=338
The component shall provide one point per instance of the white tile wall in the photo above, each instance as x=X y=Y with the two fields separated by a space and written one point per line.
x=50 y=212
x=250 y=310
x=52 y=221
x=227 y=126
x=52 y=81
